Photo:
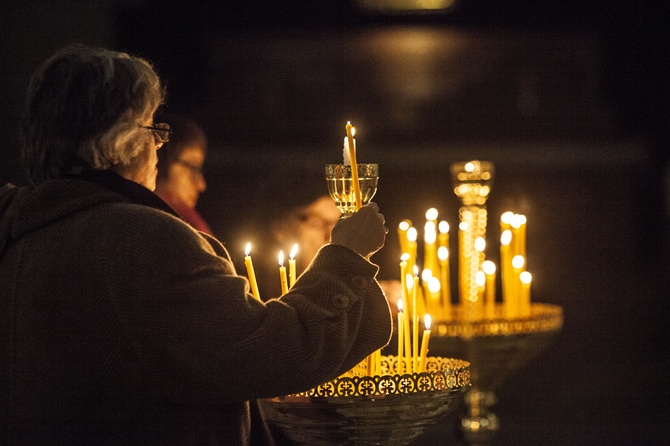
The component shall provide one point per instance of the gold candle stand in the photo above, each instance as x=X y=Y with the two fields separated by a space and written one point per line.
x=495 y=347
x=388 y=409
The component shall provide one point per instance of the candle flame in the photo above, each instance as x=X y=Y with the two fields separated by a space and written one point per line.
x=506 y=217
x=409 y=279
x=431 y=214
x=480 y=278
x=506 y=237
x=412 y=234
x=281 y=258
x=400 y=305
x=525 y=277
x=426 y=274
x=488 y=267
x=443 y=253
x=404 y=225
x=443 y=227
x=247 y=250
x=517 y=220
x=427 y=321
x=404 y=257
x=518 y=261
x=480 y=244
x=429 y=235
x=294 y=251
x=463 y=226
x=416 y=270
x=434 y=285
x=469 y=167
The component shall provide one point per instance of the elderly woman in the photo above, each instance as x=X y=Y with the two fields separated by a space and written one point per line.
x=120 y=323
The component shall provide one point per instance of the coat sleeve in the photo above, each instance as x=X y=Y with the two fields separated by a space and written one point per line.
x=202 y=338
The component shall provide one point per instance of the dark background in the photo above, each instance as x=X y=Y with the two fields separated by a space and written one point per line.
x=568 y=98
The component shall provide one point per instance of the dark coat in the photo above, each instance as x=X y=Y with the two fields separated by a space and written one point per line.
x=120 y=324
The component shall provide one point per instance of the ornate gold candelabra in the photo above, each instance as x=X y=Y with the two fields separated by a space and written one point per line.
x=388 y=409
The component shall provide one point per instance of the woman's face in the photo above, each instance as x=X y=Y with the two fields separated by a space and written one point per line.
x=184 y=179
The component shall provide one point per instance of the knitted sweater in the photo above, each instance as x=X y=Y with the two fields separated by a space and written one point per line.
x=120 y=324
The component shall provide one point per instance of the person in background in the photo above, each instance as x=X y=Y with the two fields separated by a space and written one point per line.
x=290 y=207
x=180 y=180
x=120 y=323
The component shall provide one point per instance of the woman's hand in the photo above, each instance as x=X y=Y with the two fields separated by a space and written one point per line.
x=363 y=232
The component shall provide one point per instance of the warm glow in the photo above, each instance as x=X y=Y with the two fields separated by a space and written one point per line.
x=480 y=244
x=412 y=234
x=247 y=250
x=416 y=270
x=443 y=253
x=488 y=267
x=431 y=214
x=281 y=258
x=429 y=235
x=410 y=281
x=404 y=225
x=404 y=257
x=426 y=321
x=506 y=237
x=525 y=277
x=443 y=227
x=426 y=274
x=506 y=217
x=463 y=226
x=434 y=285
x=400 y=305
x=518 y=262
x=480 y=278
x=294 y=251
x=469 y=167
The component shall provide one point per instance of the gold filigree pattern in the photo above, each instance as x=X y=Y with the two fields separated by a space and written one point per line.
x=543 y=318
x=441 y=374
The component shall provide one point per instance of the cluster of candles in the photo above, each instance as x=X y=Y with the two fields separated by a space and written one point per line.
x=434 y=297
x=286 y=281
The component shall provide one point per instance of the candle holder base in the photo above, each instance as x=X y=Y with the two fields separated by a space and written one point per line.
x=495 y=347
x=388 y=409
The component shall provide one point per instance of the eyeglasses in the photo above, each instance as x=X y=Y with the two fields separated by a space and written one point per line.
x=196 y=171
x=161 y=132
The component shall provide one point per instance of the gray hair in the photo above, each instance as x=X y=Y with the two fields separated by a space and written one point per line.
x=83 y=111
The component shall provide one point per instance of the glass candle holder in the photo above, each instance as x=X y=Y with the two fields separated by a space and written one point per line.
x=341 y=187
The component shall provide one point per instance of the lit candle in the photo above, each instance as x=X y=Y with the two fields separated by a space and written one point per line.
x=505 y=220
x=354 y=165
x=434 y=286
x=424 y=342
x=282 y=273
x=402 y=235
x=415 y=321
x=250 y=272
x=518 y=225
x=489 y=269
x=443 y=234
x=401 y=332
x=412 y=235
x=291 y=265
x=478 y=304
x=463 y=273
x=407 y=335
x=524 y=307
x=429 y=249
x=518 y=263
x=506 y=270
x=403 y=276
x=445 y=286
